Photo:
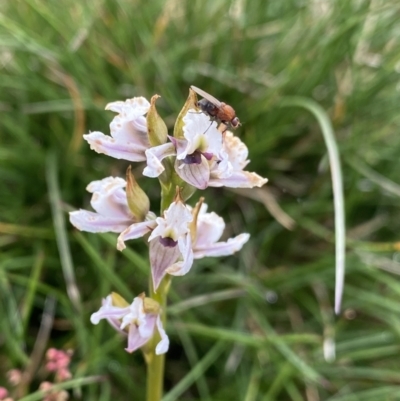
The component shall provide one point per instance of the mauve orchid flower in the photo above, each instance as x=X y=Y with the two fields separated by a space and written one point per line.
x=128 y=139
x=141 y=318
x=111 y=206
x=170 y=242
x=175 y=242
x=228 y=172
x=204 y=157
x=202 y=143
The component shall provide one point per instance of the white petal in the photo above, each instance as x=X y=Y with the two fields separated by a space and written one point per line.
x=237 y=151
x=175 y=222
x=135 y=341
x=127 y=130
x=210 y=227
x=136 y=230
x=154 y=157
x=119 y=149
x=163 y=345
x=95 y=223
x=183 y=266
x=223 y=168
x=135 y=315
x=214 y=139
x=198 y=129
x=106 y=184
x=181 y=145
x=161 y=257
x=197 y=175
x=137 y=106
x=146 y=329
x=229 y=171
x=222 y=248
x=238 y=179
x=108 y=311
x=195 y=123
x=109 y=198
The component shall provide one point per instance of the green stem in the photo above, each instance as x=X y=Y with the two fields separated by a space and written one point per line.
x=169 y=180
x=156 y=363
x=155 y=378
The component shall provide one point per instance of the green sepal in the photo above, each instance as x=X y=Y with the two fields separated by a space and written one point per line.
x=191 y=103
x=118 y=300
x=156 y=129
x=138 y=201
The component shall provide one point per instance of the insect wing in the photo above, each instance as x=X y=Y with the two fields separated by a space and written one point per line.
x=207 y=96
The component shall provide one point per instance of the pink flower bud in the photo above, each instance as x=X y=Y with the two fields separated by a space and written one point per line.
x=14 y=376
x=3 y=393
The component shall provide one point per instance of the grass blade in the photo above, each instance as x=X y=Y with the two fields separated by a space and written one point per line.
x=337 y=186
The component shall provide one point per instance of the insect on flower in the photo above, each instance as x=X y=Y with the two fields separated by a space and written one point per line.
x=216 y=109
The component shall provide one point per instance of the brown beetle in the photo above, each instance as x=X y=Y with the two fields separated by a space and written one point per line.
x=216 y=109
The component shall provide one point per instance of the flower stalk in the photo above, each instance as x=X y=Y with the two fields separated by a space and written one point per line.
x=197 y=155
x=156 y=363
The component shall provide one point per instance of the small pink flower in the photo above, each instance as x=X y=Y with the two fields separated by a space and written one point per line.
x=64 y=374
x=3 y=393
x=53 y=395
x=51 y=353
x=14 y=376
x=58 y=362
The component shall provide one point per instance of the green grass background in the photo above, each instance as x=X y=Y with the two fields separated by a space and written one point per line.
x=250 y=327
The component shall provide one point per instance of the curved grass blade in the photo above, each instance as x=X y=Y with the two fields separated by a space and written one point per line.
x=337 y=186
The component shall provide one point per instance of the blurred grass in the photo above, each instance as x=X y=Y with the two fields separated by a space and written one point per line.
x=61 y=62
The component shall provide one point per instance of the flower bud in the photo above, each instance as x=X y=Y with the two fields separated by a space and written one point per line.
x=191 y=103
x=138 y=201
x=156 y=128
